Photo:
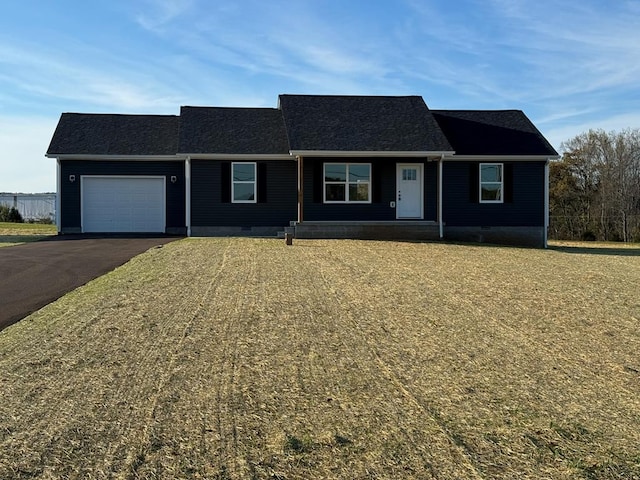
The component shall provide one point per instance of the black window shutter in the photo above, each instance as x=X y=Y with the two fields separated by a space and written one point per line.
x=225 y=182
x=376 y=184
x=262 y=182
x=318 y=182
x=474 y=182
x=508 y=182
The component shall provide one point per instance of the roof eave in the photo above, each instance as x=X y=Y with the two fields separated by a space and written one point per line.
x=237 y=156
x=520 y=158
x=366 y=153
x=81 y=156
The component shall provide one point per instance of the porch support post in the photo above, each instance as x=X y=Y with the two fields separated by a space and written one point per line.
x=187 y=193
x=300 y=189
x=440 y=224
x=58 y=195
x=546 y=204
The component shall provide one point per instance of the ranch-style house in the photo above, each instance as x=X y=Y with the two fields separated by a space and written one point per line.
x=317 y=166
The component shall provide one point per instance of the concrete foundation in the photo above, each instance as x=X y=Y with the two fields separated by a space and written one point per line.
x=517 y=236
x=235 y=231
x=400 y=230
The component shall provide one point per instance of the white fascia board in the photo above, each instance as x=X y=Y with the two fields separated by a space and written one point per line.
x=237 y=156
x=504 y=158
x=360 y=153
x=137 y=158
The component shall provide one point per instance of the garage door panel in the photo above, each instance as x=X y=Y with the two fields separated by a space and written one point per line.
x=123 y=204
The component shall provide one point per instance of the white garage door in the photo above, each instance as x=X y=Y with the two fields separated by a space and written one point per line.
x=123 y=204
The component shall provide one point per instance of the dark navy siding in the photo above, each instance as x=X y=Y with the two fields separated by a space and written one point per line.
x=383 y=177
x=431 y=191
x=70 y=191
x=209 y=208
x=525 y=208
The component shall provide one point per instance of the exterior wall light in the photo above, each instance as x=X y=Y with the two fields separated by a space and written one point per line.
x=174 y=179
x=72 y=178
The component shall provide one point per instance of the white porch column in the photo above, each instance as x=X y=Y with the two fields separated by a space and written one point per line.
x=440 y=224
x=300 y=189
x=187 y=189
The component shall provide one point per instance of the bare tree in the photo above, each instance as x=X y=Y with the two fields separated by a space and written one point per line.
x=595 y=187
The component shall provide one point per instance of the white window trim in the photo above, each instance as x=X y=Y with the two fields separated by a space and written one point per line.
x=346 y=183
x=254 y=182
x=501 y=182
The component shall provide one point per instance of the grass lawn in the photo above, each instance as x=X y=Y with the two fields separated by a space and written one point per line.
x=17 y=233
x=248 y=359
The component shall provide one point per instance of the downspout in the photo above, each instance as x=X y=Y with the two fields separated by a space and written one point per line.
x=546 y=203
x=58 y=196
x=300 y=189
x=187 y=189
x=440 y=223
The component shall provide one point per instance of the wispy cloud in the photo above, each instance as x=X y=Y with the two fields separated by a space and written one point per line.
x=158 y=13
x=68 y=81
x=565 y=131
x=299 y=48
x=568 y=65
x=572 y=48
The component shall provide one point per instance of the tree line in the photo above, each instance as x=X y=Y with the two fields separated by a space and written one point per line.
x=594 y=189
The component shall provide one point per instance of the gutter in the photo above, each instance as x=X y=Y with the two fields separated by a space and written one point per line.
x=150 y=158
x=235 y=156
x=364 y=153
x=494 y=158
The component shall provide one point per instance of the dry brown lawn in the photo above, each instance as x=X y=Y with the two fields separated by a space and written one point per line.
x=17 y=233
x=248 y=359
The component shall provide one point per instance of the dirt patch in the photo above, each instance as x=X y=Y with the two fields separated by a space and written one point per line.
x=245 y=358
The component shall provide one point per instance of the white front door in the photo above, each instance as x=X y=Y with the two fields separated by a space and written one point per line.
x=409 y=197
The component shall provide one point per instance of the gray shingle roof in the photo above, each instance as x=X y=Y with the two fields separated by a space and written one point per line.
x=110 y=134
x=361 y=123
x=232 y=130
x=492 y=132
x=304 y=122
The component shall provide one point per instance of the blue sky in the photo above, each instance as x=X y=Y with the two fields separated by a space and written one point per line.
x=571 y=65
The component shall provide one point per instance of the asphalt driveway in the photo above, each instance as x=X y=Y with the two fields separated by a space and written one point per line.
x=35 y=274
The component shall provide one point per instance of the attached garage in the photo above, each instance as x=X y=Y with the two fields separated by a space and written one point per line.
x=123 y=204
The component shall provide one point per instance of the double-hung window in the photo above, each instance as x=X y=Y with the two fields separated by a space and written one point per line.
x=347 y=183
x=243 y=182
x=491 y=183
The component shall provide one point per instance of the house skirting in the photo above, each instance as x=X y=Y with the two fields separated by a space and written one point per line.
x=70 y=230
x=248 y=231
x=404 y=230
x=519 y=236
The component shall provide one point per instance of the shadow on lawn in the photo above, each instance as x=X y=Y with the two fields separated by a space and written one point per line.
x=8 y=240
x=614 y=251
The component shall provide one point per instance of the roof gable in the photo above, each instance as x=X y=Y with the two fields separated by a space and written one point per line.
x=492 y=132
x=232 y=131
x=360 y=123
x=110 y=134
